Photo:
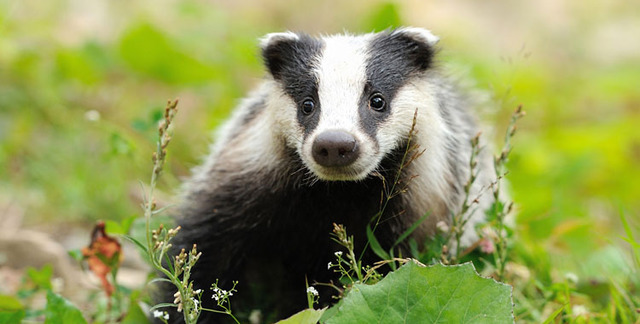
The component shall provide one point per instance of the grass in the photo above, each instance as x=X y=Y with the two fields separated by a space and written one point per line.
x=78 y=109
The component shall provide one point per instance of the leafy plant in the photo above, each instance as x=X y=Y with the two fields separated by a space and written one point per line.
x=56 y=310
x=175 y=269
x=390 y=191
x=61 y=311
x=307 y=316
x=11 y=310
x=418 y=294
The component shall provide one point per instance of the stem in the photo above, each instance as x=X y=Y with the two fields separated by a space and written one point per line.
x=499 y=210
x=459 y=220
x=355 y=264
x=390 y=194
x=149 y=207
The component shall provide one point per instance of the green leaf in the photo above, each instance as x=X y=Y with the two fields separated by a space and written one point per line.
x=76 y=254
x=11 y=310
x=135 y=315
x=554 y=315
x=122 y=227
x=161 y=279
x=416 y=294
x=375 y=245
x=162 y=305
x=42 y=277
x=61 y=311
x=136 y=242
x=410 y=229
x=307 y=316
x=113 y=227
x=127 y=222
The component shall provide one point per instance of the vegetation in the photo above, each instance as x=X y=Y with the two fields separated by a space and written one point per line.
x=81 y=91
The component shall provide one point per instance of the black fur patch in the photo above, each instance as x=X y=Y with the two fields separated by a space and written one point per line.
x=291 y=63
x=394 y=58
x=258 y=230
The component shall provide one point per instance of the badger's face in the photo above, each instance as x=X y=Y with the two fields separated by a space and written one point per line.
x=345 y=102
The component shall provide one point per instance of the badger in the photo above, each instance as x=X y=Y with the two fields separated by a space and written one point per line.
x=317 y=143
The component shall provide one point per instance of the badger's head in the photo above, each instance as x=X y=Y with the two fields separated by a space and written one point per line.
x=345 y=102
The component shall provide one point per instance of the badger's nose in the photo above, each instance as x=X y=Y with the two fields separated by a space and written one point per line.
x=335 y=148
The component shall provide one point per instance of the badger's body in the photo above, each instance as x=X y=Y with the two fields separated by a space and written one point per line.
x=310 y=148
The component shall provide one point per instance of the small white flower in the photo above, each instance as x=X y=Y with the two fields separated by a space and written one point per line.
x=571 y=277
x=311 y=290
x=338 y=253
x=579 y=310
x=166 y=316
x=197 y=292
x=329 y=266
x=157 y=313
x=92 y=115
x=442 y=227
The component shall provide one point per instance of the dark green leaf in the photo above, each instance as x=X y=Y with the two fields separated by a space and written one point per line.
x=410 y=230
x=375 y=245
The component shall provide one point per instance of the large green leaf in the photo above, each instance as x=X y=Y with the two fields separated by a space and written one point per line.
x=307 y=316
x=435 y=294
x=61 y=311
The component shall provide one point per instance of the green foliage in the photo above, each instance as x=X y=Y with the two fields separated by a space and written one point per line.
x=41 y=278
x=416 y=294
x=385 y=15
x=61 y=311
x=135 y=315
x=173 y=66
x=307 y=316
x=11 y=310
x=122 y=227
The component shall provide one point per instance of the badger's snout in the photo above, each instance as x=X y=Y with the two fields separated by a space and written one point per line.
x=335 y=148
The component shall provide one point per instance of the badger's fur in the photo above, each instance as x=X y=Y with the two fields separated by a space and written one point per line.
x=310 y=148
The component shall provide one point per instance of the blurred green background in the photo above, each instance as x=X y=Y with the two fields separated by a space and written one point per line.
x=82 y=84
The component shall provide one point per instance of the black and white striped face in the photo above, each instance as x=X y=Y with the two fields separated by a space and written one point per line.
x=344 y=102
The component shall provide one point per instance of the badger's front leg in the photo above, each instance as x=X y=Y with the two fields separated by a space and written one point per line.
x=234 y=227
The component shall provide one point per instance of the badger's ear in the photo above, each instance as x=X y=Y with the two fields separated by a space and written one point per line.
x=276 y=50
x=419 y=35
x=415 y=44
x=287 y=51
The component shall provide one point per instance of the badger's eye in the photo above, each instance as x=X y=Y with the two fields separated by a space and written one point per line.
x=377 y=103
x=308 y=106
